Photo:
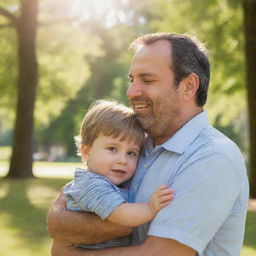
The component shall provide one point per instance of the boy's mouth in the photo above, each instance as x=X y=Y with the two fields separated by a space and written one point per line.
x=118 y=171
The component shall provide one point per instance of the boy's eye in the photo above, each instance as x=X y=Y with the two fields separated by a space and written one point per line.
x=113 y=149
x=132 y=153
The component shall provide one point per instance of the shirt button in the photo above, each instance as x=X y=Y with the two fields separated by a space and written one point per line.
x=145 y=166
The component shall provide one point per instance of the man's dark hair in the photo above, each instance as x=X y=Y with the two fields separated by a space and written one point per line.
x=188 y=55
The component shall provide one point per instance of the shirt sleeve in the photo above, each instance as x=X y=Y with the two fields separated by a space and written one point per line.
x=205 y=192
x=96 y=195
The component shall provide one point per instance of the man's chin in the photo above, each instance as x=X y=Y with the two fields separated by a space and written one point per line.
x=145 y=123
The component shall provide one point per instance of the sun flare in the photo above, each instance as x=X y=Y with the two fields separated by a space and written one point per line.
x=96 y=9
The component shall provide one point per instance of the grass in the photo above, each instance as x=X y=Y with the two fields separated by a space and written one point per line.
x=23 y=211
x=249 y=248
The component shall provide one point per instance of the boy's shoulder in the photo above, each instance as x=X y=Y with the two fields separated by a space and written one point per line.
x=81 y=175
x=85 y=178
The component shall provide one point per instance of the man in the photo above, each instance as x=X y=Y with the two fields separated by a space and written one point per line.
x=169 y=79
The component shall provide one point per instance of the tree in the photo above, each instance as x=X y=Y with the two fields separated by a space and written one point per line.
x=61 y=70
x=249 y=9
x=26 y=27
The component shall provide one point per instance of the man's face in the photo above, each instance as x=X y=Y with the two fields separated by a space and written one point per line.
x=153 y=95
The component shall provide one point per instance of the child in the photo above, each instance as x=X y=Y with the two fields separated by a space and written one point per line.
x=110 y=142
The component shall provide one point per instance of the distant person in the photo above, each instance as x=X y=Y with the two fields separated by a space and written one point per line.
x=110 y=142
x=169 y=78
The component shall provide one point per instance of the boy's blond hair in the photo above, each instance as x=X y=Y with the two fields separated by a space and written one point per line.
x=111 y=119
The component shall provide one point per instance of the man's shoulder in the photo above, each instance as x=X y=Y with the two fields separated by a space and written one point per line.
x=212 y=141
x=213 y=147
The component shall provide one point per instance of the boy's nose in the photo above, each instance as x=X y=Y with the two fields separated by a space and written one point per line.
x=122 y=160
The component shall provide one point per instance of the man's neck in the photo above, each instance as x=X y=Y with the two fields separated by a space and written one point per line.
x=184 y=118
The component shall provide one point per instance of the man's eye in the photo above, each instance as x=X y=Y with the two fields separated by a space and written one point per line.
x=148 y=81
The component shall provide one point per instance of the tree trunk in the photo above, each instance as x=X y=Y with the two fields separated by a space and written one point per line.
x=249 y=9
x=21 y=160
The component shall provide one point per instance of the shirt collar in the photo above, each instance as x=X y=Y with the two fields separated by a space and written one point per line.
x=184 y=136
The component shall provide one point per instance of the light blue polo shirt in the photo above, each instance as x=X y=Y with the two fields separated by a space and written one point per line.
x=208 y=174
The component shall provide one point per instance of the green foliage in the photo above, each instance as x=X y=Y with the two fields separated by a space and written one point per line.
x=63 y=68
x=8 y=68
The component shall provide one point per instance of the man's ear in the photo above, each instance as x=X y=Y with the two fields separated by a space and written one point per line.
x=85 y=149
x=190 y=86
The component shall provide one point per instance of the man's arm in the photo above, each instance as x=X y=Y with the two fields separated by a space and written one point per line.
x=153 y=246
x=71 y=227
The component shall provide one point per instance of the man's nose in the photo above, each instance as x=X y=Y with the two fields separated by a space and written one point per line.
x=133 y=91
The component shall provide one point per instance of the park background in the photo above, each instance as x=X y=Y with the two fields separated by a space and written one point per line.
x=57 y=56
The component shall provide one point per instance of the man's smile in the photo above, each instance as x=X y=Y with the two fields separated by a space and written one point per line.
x=140 y=106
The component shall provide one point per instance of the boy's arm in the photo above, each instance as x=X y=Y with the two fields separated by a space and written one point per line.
x=71 y=227
x=135 y=214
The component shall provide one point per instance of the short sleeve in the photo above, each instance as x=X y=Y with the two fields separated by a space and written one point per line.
x=96 y=195
x=205 y=192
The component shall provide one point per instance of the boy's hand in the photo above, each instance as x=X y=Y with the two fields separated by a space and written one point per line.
x=160 y=198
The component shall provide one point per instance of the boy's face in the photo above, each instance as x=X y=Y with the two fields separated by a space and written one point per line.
x=112 y=158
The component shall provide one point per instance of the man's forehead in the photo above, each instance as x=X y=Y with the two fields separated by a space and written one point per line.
x=150 y=62
x=160 y=48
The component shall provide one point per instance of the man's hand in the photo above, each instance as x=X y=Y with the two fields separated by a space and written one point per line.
x=61 y=201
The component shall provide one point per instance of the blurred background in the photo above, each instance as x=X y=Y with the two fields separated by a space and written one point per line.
x=57 y=56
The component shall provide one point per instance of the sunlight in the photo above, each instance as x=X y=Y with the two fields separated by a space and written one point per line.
x=108 y=12
x=102 y=9
x=4 y=190
x=40 y=196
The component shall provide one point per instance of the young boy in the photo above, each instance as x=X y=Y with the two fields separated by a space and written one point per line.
x=110 y=142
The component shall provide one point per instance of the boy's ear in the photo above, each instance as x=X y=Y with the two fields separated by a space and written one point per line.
x=85 y=151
